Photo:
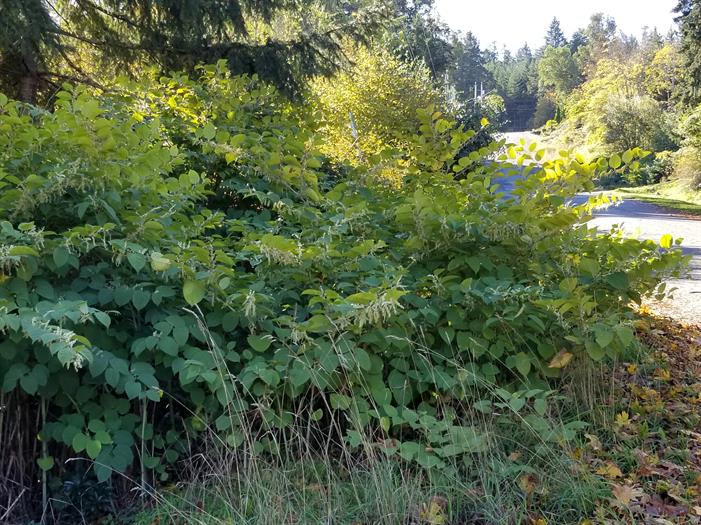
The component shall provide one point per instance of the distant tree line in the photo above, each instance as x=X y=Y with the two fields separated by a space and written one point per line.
x=287 y=42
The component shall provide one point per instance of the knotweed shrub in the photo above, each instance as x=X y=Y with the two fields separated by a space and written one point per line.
x=171 y=262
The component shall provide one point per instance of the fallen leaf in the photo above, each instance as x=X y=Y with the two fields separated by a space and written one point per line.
x=528 y=483
x=515 y=456
x=594 y=442
x=434 y=512
x=662 y=374
x=561 y=359
x=623 y=419
x=624 y=494
x=609 y=470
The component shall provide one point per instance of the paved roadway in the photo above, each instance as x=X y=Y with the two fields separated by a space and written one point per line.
x=649 y=221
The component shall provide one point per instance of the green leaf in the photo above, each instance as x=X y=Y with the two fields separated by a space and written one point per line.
x=194 y=291
x=136 y=260
x=484 y=406
x=340 y=402
x=615 y=161
x=181 y=334
x=209 y=131
x=159 y=263
x=618 y=280
x=46 y=463
x=103 y=318
x=60 y=256
x=103 y=437
x=79 y=442
x=589 y=266
x=29 y=383
x=103 y=472
x=362 y=358
x=604 y=336
x=168 y=345
x=523 y=363
x=93 y=448
x=463 y=340
x=18 y=251
x=517 y=403
x=132 y=389
x=594 y=350
x=447 y=334
x=540 y=405
x=625 y=334
x=259 y=343
x=269 y=376
x=140 y=299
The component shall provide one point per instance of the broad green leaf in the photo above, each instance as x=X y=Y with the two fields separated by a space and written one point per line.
x=159 y=263
x=60 y=256
x=93 y=448
x=137 y=261
x=194 y=291
x=22 y=250
x=615 y=161
x=45 y=463
x=79 y=442
x=259 y=343
x=523 y=363
x=140 y=299
x=132 y=389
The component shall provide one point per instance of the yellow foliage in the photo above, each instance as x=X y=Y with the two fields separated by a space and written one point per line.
x=372 y=106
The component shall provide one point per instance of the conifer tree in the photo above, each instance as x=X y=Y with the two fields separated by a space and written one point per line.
x=28 y=41
x=690 y=23
x=283 y=41
x=555 y=37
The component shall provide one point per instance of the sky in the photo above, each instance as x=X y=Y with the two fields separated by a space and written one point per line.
x=514 y=22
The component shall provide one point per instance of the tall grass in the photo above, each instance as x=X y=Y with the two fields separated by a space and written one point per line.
x=308 y=473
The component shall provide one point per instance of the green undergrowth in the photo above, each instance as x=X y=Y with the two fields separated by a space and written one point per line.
x=524 y=471
x=633 y=461
x=183 y=267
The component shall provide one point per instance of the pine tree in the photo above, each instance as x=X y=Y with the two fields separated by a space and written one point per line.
x=690 y=23
x=555 y=37
x=578 y=40
x=299 y=38
x=416 y=34
x=28 y=40
x=470 y=70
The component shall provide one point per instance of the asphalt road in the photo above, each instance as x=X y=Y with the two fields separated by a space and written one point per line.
x=648 y=221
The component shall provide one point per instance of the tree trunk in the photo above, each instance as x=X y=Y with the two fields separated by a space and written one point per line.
x=29 y=85
x=29 y=81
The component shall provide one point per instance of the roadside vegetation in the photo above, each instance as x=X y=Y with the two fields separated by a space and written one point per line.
x=234 y=294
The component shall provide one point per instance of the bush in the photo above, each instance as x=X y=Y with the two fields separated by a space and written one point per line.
x=660 y=167
x=687 y=167
x=652 y=169
x=629 y=122
x=373 y=105
x=172 y=263
x=545 y=110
